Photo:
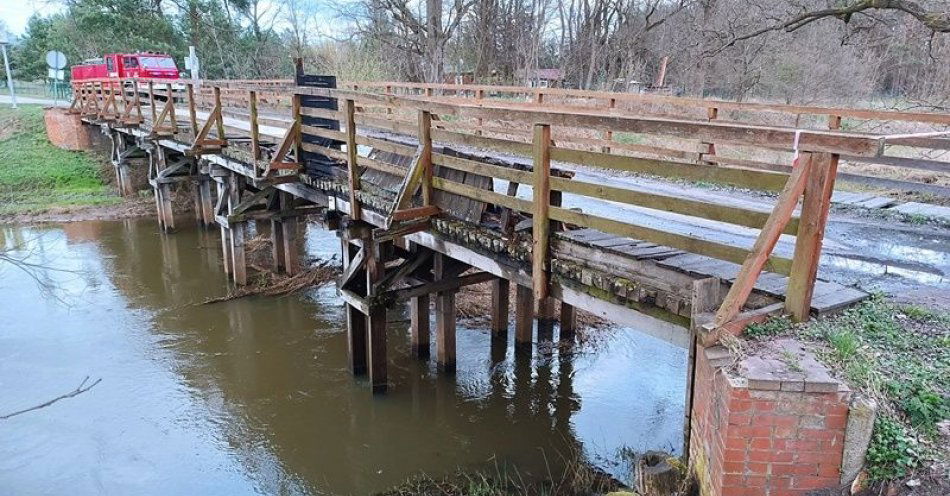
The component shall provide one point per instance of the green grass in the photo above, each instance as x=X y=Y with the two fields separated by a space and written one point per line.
x=899 y=355
x=36 y=176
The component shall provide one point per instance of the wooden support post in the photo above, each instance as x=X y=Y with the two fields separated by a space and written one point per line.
x=352 y=167
x=192 y=111
x=389 y=110
x=167 y=215
x=834 y=122
x=296 y=106
x=568 y=323
x=524 y=313
x=355 y=322
x=238 y=259
x=419 y=326
x=222 y=192
x=541 y=227
x=277 y=234
x=819 y=186
x=151 y=101
x=709 y=149
x=444 y=320
x=205 y=212
x=171 y=108
x=376 y=320
x=608 y=134
x=425 y=156
x=479 y=95
x=163 y=191
x=255 y=130
x=137 y=98
x=500 y=289
x=220 y=117
x=289 y=234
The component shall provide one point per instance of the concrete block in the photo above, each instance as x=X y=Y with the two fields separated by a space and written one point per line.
x=857 y=436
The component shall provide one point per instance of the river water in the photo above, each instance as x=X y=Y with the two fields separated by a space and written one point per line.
x=253 y=396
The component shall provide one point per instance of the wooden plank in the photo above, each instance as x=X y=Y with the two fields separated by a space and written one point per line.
x=685 y=206
x=541 y=227
x=819 y=186
x=765 y=243
x=475 y=167
x=482 y=195
x=763 y=180
x=664 y=238
x=717 y=132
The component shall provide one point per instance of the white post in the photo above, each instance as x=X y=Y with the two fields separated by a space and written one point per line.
x=6 y=66
x=193 y=65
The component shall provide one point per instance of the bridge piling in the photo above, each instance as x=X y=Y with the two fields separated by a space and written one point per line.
x=204 y=201
x=445 y=318
x=235 y=231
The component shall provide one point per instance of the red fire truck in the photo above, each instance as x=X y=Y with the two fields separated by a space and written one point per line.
x=127 y=65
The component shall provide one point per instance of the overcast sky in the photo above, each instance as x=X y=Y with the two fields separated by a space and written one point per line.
x=15 y=13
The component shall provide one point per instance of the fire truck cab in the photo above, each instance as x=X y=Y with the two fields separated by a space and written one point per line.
x=127 y=65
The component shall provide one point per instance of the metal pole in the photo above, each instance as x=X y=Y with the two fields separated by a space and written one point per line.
x=6 y=66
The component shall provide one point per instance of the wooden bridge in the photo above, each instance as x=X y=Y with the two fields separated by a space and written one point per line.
x=435 y=187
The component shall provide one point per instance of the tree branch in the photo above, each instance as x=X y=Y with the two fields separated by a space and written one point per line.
x=82 y=388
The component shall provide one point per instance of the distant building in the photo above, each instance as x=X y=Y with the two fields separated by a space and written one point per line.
x=543 y=78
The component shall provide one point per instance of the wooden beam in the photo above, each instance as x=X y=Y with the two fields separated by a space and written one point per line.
x=442 y=286
x=819 y=187
x=669 y=203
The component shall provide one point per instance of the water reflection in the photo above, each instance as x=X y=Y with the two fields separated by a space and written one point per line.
x=254 y=396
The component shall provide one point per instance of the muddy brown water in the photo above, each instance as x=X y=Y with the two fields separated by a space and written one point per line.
x=253 y=396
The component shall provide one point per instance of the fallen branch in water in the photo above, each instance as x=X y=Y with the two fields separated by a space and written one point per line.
x=82 y=388
x=277 y=285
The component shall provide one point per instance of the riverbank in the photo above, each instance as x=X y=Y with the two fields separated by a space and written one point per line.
x=40 y=182
x=898 y=356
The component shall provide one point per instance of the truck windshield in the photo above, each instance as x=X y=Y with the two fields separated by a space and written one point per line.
x=157 y=62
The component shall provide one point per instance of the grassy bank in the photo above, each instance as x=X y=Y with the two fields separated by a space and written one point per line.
x=900 y=356
x=35 y=176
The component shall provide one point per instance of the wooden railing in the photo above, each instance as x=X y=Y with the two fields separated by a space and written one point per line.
x=919 y=142
x=539 y=135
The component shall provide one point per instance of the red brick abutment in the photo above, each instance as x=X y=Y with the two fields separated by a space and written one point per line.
x=774 y=423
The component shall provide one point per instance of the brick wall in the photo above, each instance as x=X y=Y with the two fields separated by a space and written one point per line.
x=764 y=437
x=66 y=130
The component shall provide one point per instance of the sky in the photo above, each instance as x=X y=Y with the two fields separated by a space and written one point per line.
x=15 y=13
